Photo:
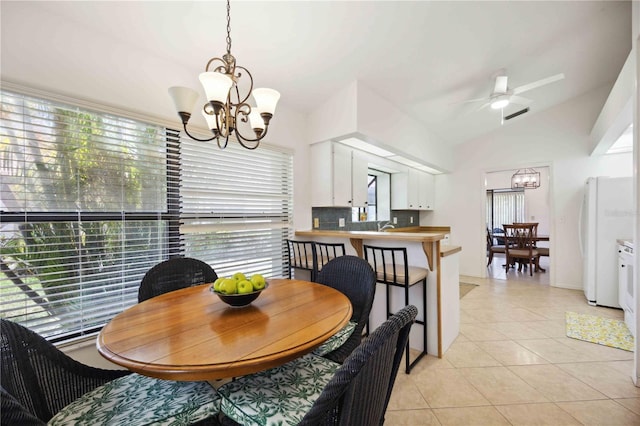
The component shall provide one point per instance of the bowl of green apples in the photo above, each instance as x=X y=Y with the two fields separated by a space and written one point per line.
x=239 y=290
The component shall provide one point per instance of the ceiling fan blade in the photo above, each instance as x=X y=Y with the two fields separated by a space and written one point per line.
x=468 y=101
x=483 y=106
x=501 y=84
x=519 y=100
x=538 y=83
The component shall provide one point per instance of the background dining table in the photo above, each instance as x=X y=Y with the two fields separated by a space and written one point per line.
x=190 y=334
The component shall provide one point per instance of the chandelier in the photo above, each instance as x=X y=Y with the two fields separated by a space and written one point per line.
x=226 y=106
x=525 y=179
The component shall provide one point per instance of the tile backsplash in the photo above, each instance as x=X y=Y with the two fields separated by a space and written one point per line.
x=329 y=219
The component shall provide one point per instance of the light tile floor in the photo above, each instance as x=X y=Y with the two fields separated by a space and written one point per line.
x=512 y=364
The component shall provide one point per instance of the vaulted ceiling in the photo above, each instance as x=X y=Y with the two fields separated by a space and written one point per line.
x=425 y=57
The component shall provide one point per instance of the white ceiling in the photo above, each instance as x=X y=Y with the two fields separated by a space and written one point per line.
x=425 y=57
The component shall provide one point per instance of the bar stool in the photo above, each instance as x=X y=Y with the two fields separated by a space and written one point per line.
x=302 y=256
x=326 y=252
x=392 y=268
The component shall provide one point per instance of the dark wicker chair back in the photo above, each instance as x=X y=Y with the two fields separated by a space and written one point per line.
x=355 y=278
x=174 y=274
x=39 y=377
x=359 y=392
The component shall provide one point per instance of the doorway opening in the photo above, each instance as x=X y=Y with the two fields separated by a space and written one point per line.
x=504 y=205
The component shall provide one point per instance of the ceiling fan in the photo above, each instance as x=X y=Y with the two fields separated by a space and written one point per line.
x=502 y=95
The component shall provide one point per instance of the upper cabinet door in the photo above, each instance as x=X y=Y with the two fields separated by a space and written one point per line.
x=322 y=174
x=338 y=176
x=426 y=188
x=341 y=176
x=359 y=180
x=412 y=190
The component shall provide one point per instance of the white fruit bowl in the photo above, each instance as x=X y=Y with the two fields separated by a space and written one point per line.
x=239 y=300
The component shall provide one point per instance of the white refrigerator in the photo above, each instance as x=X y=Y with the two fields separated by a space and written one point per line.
x=607 y=216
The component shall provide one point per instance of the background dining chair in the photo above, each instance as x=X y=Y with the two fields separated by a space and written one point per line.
x=302 y=256
x=326 y=252
x=354 y=277
x=493 y=248
x=542 y=251
x=521 y=246
x=312 y=390
x=392 y=268
x=46 y=385
x=174 y=274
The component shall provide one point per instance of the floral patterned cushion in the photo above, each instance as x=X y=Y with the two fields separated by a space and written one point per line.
x=279 y=396
x=337 y=340
x=141 y=400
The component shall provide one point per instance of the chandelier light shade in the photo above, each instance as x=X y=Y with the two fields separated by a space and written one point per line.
x=227 y=107
x=525 y=179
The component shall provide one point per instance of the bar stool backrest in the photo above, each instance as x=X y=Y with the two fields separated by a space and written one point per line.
x=389 y=263
x=326 y=252
x=302 y=255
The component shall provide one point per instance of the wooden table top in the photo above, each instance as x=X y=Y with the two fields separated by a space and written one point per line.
x=190 y=334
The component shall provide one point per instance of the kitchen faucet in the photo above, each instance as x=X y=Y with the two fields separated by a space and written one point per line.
x=385 y=226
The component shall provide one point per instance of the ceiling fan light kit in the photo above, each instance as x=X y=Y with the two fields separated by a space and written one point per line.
x=502 y=96
x=500 y=101
x=226 y=107
x=525 y=179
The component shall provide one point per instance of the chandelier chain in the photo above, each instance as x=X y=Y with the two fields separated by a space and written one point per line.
x=226 y=108
x=228 y=27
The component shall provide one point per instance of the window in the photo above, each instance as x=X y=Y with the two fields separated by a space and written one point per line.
x=237 y=207
x=504 y=206
x=83 y=213
x=90 y=201
x=362 y=214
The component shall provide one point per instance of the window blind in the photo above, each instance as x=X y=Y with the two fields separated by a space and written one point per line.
x=88 y=202
x=505 y=207
x=237 y=207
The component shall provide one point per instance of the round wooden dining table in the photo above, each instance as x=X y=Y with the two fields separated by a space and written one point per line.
x=190 y=334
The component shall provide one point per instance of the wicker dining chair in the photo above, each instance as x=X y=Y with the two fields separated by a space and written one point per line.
x=174 y=274
x=313 y=390
x=41 y=384
x=354 y=277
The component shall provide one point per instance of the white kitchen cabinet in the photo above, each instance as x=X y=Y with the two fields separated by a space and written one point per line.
x=412 y=190
x=426 y=191
x=338 y=176
x=359 y=180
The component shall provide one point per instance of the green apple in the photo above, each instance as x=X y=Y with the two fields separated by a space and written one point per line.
x=239 y=276
x=244 y=287
x=229 y=286
x=258 y=281
x=216 y=284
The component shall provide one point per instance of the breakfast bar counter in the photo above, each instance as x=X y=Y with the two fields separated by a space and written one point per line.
x=423 y=249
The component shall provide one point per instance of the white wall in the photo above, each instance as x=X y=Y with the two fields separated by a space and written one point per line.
x=558 y=137
x=357 y=110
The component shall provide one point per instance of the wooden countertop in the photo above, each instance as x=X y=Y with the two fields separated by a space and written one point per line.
x=374 y=235
x=446 y=250
x=437 y=229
